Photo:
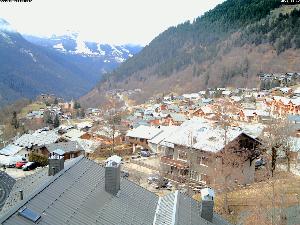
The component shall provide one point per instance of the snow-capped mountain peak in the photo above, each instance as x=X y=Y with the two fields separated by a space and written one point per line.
x=72 y=43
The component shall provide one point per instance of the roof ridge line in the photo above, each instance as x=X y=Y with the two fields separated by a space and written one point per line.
x=44 y=186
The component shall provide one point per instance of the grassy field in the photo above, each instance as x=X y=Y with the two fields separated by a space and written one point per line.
x=31 y=107
x=282 y=191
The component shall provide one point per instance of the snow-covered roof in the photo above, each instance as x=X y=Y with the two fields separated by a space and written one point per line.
x=251 y=112
x=190 y=96
x=201 y=134
x=37 y=138
x=145 y=132
x=74 y=134
x=83 y=125
x=295 y=146
x=166 y=132
x=285 y=89
x=10 y=150
x=207 y=109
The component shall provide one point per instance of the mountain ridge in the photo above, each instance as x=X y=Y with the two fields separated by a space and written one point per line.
x=227 y=46
x=28 y=69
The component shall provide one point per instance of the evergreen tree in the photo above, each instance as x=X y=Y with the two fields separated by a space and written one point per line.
x=55 y=101
x=14 y=121
x=56 y=122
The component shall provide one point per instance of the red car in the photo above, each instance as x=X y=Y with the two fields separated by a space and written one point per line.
x=20 y=164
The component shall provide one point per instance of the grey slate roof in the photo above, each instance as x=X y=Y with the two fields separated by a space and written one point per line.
x=76 y=196
x=179 y=209
x=189 y=213
x=70 y=146
x=6 y=185
x=28 y=185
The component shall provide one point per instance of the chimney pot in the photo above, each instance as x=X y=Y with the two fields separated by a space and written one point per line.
x=112 y=177
x=207 y=204
x=21 y=195
x=56 y=164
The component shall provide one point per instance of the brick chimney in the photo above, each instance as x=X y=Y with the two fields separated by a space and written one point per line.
x=56 y=164
x=112 y=176
x=207 y=204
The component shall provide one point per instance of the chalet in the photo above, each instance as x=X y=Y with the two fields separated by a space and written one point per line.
x=37 y=141
x=155 y=143
x=68 y=150
x=141 y=135
x=250 y=115
x=197 y=146
x=175 y=119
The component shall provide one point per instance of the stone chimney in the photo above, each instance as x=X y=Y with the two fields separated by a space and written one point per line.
x=112 y=176
x=56 y=164
x=207 y=204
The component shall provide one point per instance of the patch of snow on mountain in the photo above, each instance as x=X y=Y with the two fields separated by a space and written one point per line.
x=59 y=47
x=124 y=49
x=100 y=50
x=106 y=61
x=29 y=53
x=115 y=51
x=130 y=55
x=6 y=37
x=119 y=59
x=5 y=26
x=81 y=48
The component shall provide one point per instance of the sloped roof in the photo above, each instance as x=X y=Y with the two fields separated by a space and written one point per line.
x=6 y=185
x=37 y=138
x=77 y=196
x=29 y=185
x=145 y=132
x=10 y=150
x=74 y=134
x=70 y=146
x=201 y=134
x=179 y=209
x=166 y=132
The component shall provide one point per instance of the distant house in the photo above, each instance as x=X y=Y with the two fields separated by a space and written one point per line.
x=36 y=141
x=155 y=143
x=68 y=150
x=250 y=115
x=200 y=143
x=141 y=135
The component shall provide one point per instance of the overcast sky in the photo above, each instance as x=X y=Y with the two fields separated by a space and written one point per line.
x=109 y=21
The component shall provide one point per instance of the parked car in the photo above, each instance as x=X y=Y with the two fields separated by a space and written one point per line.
x=260 y=162
x=145 y=153
x=153 y=178
x=20 y=164
x=124 y=173
x=30 y=166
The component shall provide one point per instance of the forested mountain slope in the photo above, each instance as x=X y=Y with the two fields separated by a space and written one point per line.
x=227 y=46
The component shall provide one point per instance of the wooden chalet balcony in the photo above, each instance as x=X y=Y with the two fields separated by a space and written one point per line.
x=172 y=162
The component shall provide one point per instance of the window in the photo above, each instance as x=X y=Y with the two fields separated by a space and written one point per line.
x=29 y=214
x=202 y=160
x=182 y=155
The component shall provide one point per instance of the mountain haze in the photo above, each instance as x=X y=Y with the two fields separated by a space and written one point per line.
x=227 y=46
